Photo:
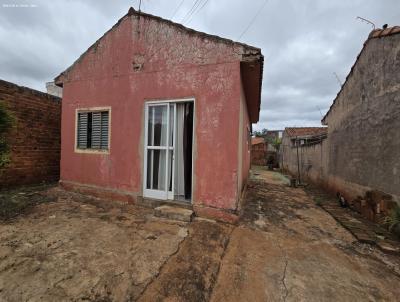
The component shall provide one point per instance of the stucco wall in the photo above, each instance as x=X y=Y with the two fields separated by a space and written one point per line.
x=312 y=160
x=362 y=150
x=143 y=59
x=364 y=122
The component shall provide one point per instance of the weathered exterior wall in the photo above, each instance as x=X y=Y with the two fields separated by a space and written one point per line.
x=259 y=154
x=35 y=140
x=53 y=89
x=143 y=59
x=364 y=122
x=245 y=143
x=312 y=160
x=362 y=150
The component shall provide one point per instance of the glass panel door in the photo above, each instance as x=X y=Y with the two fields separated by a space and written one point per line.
x=159 y=144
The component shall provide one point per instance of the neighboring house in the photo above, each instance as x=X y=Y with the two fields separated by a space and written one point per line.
x=301 y=152
x=267 y=153
x=155 y=110
x=271 y=136
x=53 y=89
x=293 y=136
x=258 y=151
x=34 y=142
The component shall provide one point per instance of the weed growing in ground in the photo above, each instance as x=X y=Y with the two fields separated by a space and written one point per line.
x=393 y=219
x=7 y=122
x=318 y=201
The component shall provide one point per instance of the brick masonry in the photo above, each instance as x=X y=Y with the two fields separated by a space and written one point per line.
x=259 y=154
x=362 y=229
x=35 y=139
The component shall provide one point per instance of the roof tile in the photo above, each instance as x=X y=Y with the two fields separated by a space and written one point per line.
x=257 y=140
x=306 y=131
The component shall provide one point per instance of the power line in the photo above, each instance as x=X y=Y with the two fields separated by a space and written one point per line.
x=252 y=20
x=201 y=7
x=190 y=12
x=338 y=79
x=177 y=8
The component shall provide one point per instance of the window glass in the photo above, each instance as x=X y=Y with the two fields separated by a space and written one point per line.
x=157 y=126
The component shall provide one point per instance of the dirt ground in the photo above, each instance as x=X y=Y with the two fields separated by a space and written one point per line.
x=285 y=248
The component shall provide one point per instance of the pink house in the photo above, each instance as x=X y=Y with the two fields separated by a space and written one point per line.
x=155 y=111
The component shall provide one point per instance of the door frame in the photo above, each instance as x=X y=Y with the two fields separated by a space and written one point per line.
x=155 y=193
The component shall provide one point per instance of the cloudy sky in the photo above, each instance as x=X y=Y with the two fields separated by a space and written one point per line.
x=304 y=42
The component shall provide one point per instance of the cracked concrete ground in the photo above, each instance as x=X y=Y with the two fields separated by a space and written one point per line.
x=285 y=248
x=288 y=249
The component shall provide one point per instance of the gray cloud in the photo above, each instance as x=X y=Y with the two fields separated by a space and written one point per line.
x=304 y=42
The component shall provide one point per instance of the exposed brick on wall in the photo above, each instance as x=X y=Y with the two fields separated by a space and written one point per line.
x=259 y=155
x=35 y=140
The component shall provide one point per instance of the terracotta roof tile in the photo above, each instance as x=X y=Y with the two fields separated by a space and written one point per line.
x=257 y=140
x=306 y=131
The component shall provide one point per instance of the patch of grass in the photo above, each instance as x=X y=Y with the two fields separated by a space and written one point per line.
x=318 y=201
x=280 y=177
x=393 y=219
x=276 y=177
x=7 y=122
x=105 y=217
x=17 y=201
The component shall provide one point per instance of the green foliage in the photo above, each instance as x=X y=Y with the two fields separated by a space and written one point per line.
x=6 y=123
x=318 y=201
x=394 y=218
x=276 y=142
x=261 y=133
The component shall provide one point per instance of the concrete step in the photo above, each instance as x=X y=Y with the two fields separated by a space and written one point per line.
x=174 y=213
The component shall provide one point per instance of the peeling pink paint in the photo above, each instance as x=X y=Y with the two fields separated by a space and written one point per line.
x=147 y=59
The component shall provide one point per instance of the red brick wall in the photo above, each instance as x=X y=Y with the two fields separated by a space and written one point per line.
x=258 y=155
x=35 y=139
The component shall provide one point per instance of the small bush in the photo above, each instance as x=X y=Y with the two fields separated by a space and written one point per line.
x=7 y=122
x=394 y=218
x=318 y=201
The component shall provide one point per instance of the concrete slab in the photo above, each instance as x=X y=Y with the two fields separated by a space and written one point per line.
x=174 y=213
x=284 y=248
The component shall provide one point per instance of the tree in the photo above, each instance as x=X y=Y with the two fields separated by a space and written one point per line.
x=261 y=133
x=6 y=123
x=276 y=142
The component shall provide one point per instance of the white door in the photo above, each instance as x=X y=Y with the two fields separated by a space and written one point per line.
x=159 y=150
